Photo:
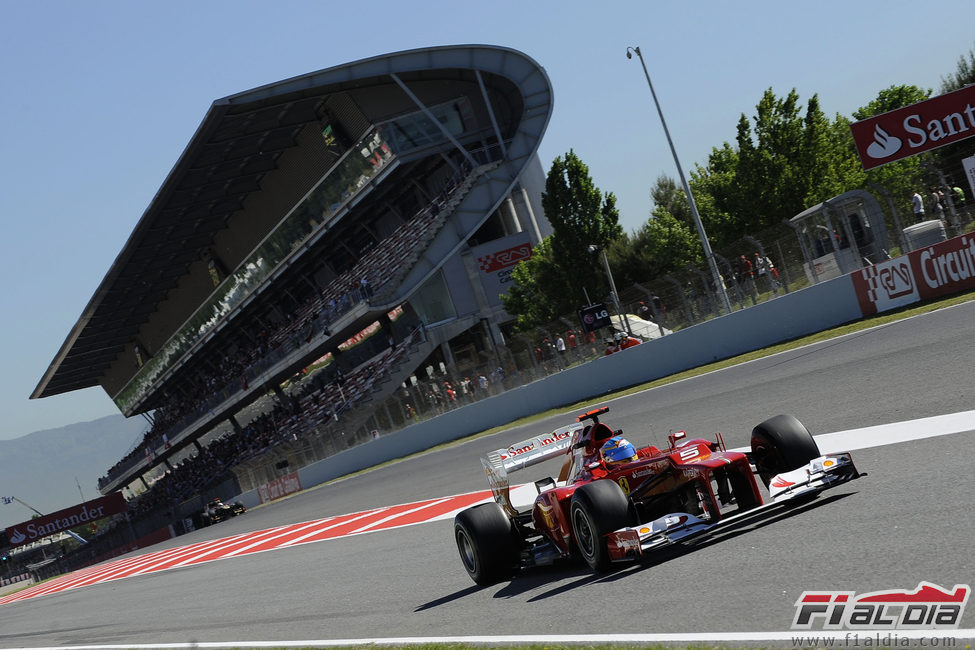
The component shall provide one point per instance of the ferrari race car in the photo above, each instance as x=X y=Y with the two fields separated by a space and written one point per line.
x=614 y=503
x=216 y=511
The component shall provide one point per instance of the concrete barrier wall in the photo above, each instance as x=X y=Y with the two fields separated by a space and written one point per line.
x=812 y=309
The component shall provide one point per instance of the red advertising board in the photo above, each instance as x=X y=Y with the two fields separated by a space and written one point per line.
x=279 y=487
x=60 y=521
x=919 y=127
x=942 y=269
x=497 y=260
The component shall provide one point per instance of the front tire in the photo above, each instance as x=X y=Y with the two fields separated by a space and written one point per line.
x=598 y=508
x=781 y=444
x=487 y=543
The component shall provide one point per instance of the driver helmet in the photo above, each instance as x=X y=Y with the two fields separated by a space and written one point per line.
x=617 y=451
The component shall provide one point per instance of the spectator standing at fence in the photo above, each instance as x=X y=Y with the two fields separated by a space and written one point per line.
x=746 y=278
x=497 y=376
x=937 y=204
x=958 y=196
x=764 y=267
x=917 y=205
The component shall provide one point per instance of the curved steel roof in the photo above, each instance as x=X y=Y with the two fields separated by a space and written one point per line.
x=237 y=143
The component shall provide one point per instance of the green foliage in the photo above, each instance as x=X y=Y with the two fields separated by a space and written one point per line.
x=948 y=159
x=579 y=214
x=561 y=271
x=775 y=172
x=664 y=244
x=964 y=74
x=787 y=157
x=533 y=282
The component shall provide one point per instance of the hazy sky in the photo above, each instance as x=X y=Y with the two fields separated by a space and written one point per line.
x=101 y=97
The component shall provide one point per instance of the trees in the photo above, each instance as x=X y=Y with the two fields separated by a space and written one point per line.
x=948 y=159
x=784 y=160
x=581 y=217
x=964 y=74
x=665 y=243
x=561 y=271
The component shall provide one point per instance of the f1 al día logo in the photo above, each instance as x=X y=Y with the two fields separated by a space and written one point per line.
x=929 y=607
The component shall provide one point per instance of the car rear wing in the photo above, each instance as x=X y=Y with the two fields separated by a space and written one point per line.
x=524 y=454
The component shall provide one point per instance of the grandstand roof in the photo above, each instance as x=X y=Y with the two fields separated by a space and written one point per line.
x=239 y=141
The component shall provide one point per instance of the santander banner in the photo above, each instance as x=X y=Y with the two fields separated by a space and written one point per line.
x=58 y=522
x=919 y=127
x=945 y=268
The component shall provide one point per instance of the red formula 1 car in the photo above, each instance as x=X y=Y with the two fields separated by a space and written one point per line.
x=613 y=502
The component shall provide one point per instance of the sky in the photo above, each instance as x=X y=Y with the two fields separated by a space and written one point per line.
x=100 y=97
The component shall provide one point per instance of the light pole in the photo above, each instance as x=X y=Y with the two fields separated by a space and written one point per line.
x=612 y=287
x=715 y=275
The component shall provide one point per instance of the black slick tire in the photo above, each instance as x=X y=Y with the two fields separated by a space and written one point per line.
x=596 y=509
x=781 y=444
x=487 y=543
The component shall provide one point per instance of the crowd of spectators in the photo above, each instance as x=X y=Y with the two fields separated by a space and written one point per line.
x=294 y=415
x=250 y=352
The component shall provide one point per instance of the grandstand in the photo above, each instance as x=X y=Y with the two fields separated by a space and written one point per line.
x=321 y=244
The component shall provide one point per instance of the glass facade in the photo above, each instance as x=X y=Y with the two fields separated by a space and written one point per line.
x=432 y=301
x=366 y=158
x=417 y=130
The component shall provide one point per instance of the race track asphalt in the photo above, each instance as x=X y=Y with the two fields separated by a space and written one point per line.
x=908 y=521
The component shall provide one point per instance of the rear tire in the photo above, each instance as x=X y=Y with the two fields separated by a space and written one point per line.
x=598 y=508
x=487 y=543
x=781 y=444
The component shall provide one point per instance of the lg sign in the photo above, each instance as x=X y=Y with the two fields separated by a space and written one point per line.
x=920 y=127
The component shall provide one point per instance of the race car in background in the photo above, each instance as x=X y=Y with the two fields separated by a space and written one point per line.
x=216 y=511
x=613 y=502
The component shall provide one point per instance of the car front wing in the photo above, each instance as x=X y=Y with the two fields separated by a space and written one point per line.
x=819 y=474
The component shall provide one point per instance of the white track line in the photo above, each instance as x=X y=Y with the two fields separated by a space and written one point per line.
x=873 y=638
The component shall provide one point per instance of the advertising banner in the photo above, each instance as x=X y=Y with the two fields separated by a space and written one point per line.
x=60 y=521
x=968 y=164
x=594 y=317
x=497 y=259
x=279 y=487
x=919 y=127
x=945 y=268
